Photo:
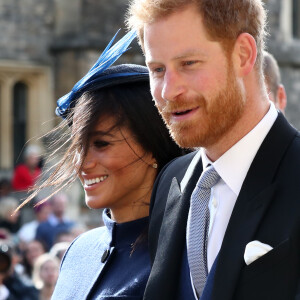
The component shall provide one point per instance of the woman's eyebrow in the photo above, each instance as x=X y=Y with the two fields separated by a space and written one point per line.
x=102 y=133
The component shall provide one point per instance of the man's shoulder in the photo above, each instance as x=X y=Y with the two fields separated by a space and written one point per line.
x=44 y=225
x=297 y=139
x=296 y=145
x=183 y=160
x=178 y=166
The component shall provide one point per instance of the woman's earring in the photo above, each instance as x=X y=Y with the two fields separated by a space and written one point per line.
x=154 y=165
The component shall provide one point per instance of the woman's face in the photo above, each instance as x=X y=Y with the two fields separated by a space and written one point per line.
x=33 y=250
x=117 y=173
x=49 y=273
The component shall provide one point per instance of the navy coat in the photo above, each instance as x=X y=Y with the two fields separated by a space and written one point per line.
x=100 y=264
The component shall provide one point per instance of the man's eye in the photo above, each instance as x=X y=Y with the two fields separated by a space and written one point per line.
x=189 y=62
x=159 y=70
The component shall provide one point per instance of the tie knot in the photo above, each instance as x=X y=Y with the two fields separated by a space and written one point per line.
x=208 y=178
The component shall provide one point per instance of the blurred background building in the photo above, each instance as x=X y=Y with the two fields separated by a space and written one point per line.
x=47 y=45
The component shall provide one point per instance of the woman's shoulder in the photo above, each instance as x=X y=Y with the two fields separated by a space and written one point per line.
x=93 y=240
x=92 y=233
x=82 y=264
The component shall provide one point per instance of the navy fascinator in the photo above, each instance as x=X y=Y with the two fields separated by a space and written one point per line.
x=102 y=75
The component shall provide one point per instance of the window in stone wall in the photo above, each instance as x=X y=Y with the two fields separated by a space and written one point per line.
x=20 y=100
x=296 y=18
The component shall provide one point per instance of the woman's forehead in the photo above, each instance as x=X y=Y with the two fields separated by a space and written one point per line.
x=110 y=128
x=106 y=123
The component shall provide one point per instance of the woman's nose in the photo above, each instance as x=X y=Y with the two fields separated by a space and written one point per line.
x=89 y=161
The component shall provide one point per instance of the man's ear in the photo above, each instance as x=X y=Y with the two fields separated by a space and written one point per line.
x=244 y=54
x=281 y=98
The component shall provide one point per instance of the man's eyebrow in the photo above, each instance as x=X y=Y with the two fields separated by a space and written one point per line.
x=186 y=54
x=189 y=53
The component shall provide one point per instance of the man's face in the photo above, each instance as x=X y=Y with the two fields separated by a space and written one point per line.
x=279 y=98
x=192 y=80
x=59 y=205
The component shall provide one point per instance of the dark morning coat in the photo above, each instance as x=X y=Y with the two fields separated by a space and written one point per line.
x=267 y=209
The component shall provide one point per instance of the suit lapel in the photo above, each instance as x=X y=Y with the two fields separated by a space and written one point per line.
x=171 y=240
x=252 y=203
x=243 y=224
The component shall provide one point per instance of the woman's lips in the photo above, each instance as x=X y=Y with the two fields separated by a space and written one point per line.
x=92 y=183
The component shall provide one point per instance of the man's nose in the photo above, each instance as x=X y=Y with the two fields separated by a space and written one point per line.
x=173 y=85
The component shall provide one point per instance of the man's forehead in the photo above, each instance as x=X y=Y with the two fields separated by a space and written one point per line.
x=180 y=34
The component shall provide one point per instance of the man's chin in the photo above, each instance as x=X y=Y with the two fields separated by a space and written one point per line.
x=184 y=138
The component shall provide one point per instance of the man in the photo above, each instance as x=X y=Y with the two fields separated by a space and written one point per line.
x=56 y=223
x=27 y=232
x=274 y=86
x=205 y=61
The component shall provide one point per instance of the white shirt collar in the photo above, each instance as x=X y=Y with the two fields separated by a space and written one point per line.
x=189 y=171
x=234 y=164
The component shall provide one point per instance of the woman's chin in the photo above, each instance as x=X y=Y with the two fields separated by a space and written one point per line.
x=94 y=204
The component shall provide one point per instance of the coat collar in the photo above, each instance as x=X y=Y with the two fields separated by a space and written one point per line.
x=171 y=241
x=123 y=234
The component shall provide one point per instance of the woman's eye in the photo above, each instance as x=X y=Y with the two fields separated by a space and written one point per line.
x=100 y=144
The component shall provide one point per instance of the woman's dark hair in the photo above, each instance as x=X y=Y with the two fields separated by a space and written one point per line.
x=131 y=105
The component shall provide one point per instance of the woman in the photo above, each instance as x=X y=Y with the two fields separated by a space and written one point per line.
x=45 y=274
x=31 y=252
x=118 y=145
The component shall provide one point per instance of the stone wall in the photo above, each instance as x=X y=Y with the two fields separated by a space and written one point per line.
x=26 y=28
x=286 y=50
x=81 y=34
